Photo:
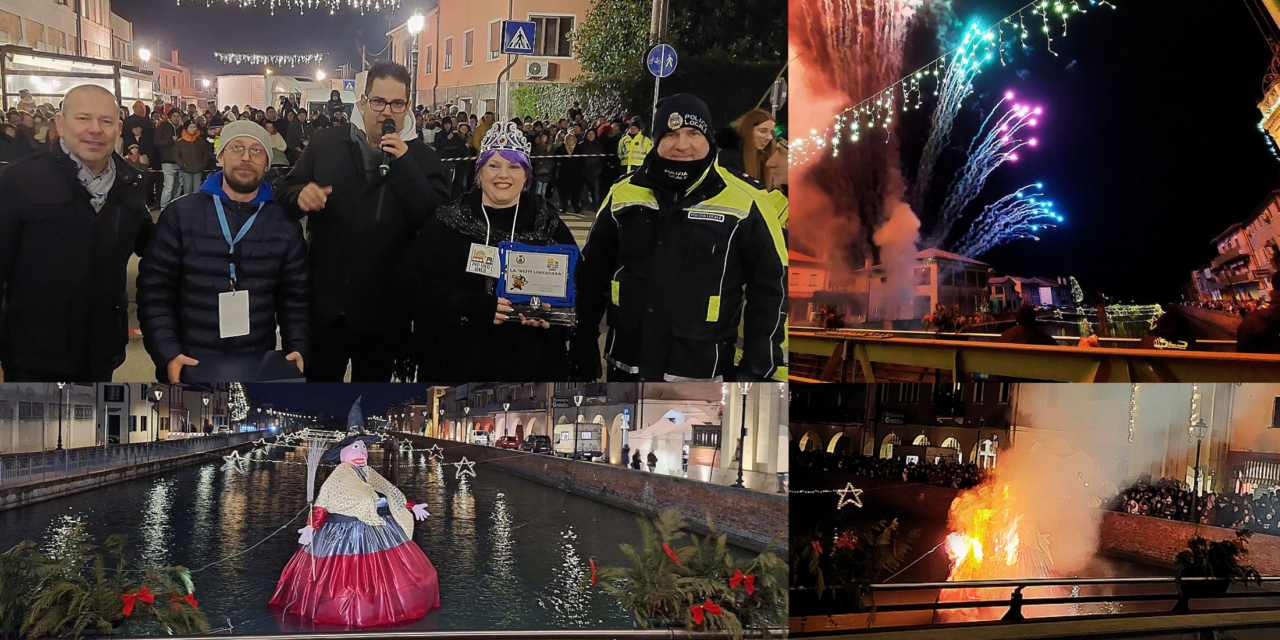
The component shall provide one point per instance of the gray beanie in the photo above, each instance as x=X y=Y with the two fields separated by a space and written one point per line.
x=244 y=129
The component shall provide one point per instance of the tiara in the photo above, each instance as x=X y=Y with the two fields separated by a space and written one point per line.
x=505 y=136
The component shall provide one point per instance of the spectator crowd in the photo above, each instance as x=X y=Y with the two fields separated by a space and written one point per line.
x=942 y=473
x=1172 y=499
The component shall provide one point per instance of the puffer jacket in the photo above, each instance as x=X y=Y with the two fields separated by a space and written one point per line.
x=187 y=264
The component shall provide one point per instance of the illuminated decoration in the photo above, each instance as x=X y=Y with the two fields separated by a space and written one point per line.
x=237 y=402
x=434 y=452
x=284 y=60
x=1018 y=216
x=1077 y=294
x=235 y=462
x=950 y=76
x=1195 y=412
x=406 y=446
x=999 y=144
x=1133 y=408
x=470 y=468
x=849 y=495
x=363 y=6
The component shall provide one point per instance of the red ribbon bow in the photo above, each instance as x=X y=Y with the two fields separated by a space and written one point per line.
x=131 y=598
x=190 y=598
x=671 y=553
x=738 y=578
x=708 y=607
x=592 y=560
x=817 y=546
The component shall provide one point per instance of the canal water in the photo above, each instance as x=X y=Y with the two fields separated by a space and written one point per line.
x=510 y=554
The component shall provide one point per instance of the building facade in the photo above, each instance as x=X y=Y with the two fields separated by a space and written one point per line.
x=1245 y=266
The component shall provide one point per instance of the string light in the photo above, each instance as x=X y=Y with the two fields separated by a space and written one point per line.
x=848 y=495
x=238 y=402
x=285 y=60
x=956 y=67
x=301 y=6
x=1133 y=408
x=1195 y=412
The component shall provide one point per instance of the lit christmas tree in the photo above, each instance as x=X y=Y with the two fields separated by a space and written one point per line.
x=1077 y=294
x=238 y=402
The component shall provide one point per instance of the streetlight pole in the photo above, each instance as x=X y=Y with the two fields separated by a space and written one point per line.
x=425 y=413
x=577 y=401
x=744 y=387
x=155 y=424
x=204 y=418
x=1200 y=429
x=61 y=386
x=439 y=426
x=416 y=22
x=466 y=423
x=506 y=419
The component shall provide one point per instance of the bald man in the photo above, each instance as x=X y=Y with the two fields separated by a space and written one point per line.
x=71 y=219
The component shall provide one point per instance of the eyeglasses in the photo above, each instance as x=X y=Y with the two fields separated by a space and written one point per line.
x=239 y=150
x=397 y=106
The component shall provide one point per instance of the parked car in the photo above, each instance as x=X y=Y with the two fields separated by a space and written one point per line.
x=536 y=444
x=507 y=442
x=481 y=438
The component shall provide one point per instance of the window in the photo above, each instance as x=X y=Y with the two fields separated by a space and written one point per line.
x=909 y=392
x=977 y=393
x=495 y=40
x=468 y=42
x=164 y=423
x=1004 y=393
x=1275 y=414
x=84 y=412
x=31 y=411
x=6 y=410
x=142 y=421
x=882 y=393
x=133 y=423
x=408 y=52
x=813 y=279
x=706 y=436
x=924 y=276
x=429 y=59
x=448 y=53
x=551 y=37
x=112 y=393
x=921 y=441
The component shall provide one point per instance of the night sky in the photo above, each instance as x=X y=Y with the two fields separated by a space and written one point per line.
x=1149 y=145
x=334 y=398
x=197 y=31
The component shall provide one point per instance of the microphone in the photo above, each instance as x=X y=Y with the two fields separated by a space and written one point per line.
x=388 y=126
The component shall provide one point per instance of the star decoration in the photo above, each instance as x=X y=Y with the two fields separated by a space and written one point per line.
x=1057 y=313
x=470 y=468
x=406 y=446
x=235 y=462
x=435 y=452
x=845 y=499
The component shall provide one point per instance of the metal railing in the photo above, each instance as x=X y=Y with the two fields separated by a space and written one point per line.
x=508 y=634
x=845 y=355
x=28 y=468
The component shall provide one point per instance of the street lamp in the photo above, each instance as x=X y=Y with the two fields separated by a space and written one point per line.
x=145 y=54
x=744 y=387
x=425 y=413
x=204 y=82
x=416 y=22
x=1199 y=430
x=577 y=401
x=204 y=413
x=156 y=423
x=320 y=76
x=439 y=432
x=506 y=418
x=466 y=421
x=61 y=386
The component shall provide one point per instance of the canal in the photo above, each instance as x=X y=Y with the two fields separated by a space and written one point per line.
x=510 y=554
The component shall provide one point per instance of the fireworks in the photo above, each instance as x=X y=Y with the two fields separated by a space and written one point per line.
x=999 y=144
x=1017 y=216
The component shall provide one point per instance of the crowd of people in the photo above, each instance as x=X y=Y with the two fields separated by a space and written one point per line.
x=943 y=473
x=1173 y=500
x=1238 y=307
x=397 y=272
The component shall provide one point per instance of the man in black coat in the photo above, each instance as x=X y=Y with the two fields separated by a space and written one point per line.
x=224 y=265
x=1025 y=330
x=166 y=138
x=71 y=219
x=360 y=226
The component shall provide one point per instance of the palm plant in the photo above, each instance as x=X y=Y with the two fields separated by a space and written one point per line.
x=846 y=560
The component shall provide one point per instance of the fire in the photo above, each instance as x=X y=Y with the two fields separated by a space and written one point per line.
x=990 y=541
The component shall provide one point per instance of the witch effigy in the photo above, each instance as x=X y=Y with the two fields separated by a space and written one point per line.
x=358 y=565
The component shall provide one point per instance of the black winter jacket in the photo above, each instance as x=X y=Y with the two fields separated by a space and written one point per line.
x=63 y=266
x=165 y=144
x=187 y=265
x=359 y=240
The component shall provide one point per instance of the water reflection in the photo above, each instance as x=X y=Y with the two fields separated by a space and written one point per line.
x=156 y=532
x=565 y=597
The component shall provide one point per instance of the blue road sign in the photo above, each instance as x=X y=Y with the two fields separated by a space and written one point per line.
x=348 y=85
x=662 y=60
x=626 y=411
x=518 y=37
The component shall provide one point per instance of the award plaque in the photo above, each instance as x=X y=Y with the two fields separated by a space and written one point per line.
x=534 y=276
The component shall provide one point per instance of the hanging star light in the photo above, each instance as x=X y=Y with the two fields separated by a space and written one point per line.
x=406 y=446
x=301 y=6
x=470 y=471
x=846 y=498
x=235 y=462
x=434 y=452
x=283 y=60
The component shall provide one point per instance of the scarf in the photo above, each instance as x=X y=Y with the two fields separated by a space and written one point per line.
x=97 y=186
x=187 y=137
x=676 y=176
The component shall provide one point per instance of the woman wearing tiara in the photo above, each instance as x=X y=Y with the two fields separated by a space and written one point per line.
x=463 y=329
x=358 y=565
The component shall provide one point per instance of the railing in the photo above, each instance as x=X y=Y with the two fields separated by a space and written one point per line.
x=845 y=355
x=27 y=468
x=507 y=634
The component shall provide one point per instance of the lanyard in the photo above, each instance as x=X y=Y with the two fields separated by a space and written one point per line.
x=226 y=232
x=515 y=216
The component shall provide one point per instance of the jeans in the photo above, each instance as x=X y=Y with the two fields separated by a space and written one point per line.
x=191 y=182
x=171 y=185
x=540 y=186
x=593 y=194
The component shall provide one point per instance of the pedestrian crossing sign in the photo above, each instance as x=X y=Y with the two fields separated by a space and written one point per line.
x=518 y=37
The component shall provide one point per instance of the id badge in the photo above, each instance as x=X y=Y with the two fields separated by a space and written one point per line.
x=233 y=314
x=483 y=260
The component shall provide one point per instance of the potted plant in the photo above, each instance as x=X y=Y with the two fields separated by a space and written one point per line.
x=79 y=590
x=1221 y=559
x=947 y=321
x=695 y=585
x=841 y=562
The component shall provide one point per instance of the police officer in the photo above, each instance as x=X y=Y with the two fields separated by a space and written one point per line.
x=681 y=250
x=633 y=147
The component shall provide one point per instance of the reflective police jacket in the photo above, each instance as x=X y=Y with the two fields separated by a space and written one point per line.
x=632 y=150
x=675 y=279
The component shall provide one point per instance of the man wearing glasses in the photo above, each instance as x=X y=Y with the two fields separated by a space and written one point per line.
x=360 y=223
